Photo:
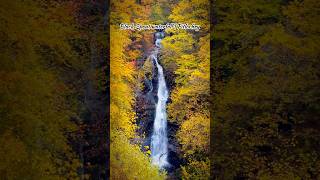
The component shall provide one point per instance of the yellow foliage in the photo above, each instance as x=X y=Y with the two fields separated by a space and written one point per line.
x=121 y=94
x=190 y=54
x=178 y=44
x=196 y=170
x=194 y=134
x=128 y=162
x=194 y=11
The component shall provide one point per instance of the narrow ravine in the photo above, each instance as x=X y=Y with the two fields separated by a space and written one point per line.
x=159 y=139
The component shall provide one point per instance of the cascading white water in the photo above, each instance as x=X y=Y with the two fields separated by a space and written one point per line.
x=159 y=139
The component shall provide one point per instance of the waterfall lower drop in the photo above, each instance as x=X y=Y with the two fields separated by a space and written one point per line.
x=159 y=139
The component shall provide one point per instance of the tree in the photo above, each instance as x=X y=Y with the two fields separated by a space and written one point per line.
x=124 y=153
x=186 y=54
x=264 y=81
x=35 y=107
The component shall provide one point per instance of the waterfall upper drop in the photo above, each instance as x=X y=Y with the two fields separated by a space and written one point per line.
x=158 y=36
x=159 y=139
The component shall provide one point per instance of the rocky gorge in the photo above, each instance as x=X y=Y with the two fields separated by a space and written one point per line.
x=145 y=107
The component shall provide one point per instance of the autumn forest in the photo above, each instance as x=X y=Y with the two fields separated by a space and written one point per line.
x=81 y=98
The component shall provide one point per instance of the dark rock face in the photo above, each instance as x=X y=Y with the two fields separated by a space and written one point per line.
x=173 y=147
x=146 y=105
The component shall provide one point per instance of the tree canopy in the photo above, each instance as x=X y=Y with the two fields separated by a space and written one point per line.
x=265 y=88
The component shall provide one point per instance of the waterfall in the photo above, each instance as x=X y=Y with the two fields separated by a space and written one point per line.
x=159 y=139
